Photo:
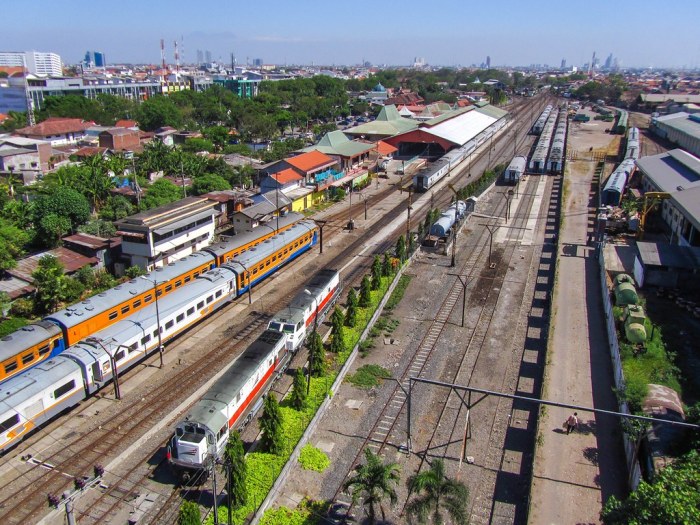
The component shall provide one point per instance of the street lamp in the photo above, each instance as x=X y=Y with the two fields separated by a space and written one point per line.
x=160 y=339
x=311 y=354
x=364 y=199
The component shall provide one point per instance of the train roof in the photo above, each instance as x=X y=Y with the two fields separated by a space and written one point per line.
x=251 y=257
x=618 y=178
x=133 y=325
x=518 y=163
x=84 y=353
x=26 y=337
x=207 y=411
x=35 y=380
x=294 y=313
x=242 y=239
x=113 y=297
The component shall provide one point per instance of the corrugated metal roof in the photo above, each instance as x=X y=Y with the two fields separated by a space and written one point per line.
x=671 y=170
x=683 y=122
x=462 y=128
x=668 y=255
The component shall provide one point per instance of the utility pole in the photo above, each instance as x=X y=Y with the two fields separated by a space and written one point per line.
x=215 y=494
x=321 y=224
x=160 y=337
x=68 y=498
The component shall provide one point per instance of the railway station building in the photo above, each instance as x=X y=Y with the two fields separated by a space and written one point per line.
x=454 y=129
x=387 y=124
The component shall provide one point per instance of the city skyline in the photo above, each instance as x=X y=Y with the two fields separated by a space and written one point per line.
x=318 y=33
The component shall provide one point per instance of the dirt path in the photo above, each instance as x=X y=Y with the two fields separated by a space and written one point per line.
x=574 y=474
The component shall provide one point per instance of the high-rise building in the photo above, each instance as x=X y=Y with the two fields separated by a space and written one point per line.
x=36 y=62
x=207 y=56
x=94 y=59
x=257 y=62
x=488 y=62
x=200 y=56
x=563 y=63
x=609 y=61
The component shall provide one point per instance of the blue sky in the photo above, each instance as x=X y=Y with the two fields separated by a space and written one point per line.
x=512 y=32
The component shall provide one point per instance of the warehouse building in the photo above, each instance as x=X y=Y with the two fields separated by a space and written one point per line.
x=682 y=129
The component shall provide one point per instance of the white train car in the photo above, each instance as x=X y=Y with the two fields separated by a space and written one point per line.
x=515 y=170
x=201 y=436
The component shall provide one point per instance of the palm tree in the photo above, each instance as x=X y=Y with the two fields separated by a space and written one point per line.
x=374 y=481
x=436 y=492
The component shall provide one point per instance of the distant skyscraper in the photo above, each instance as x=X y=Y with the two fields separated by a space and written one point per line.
x=200 y=56
x=207 y=56
x=36 y=62
x=609 y=61
x=94 y=59
x=257 y=62
x=100 y=60
x=563 y=63
x=488 y=62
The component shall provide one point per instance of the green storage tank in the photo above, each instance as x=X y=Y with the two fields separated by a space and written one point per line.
x=623 y=278
x=626 y=293
x=634 y=324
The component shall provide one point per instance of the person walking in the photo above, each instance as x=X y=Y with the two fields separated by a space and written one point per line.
x=571 y=423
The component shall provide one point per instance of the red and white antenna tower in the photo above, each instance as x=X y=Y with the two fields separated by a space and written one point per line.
x=162 y=53
x=177 y=60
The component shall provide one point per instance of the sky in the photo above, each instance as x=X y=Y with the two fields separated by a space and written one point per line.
x=639 y=33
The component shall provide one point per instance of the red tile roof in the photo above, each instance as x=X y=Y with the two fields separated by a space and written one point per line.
x=310 y=161
x=286 y=176
x=55 y=126
x=89 y=151
x=126 y=124
x=385 y=149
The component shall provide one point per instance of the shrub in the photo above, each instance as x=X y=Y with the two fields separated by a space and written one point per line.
x=312 y=458
x=368 y=376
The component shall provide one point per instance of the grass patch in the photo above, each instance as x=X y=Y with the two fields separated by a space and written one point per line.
x=312 y=458
x=368 y=376
x=308 y=513
x=398 y=292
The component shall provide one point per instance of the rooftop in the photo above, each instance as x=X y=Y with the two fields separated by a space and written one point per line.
x=683 y=122
x=310 y=161
x=388 y=123
x=337 y=143
x=162 y=215
x=286 y=176
x=55 y=126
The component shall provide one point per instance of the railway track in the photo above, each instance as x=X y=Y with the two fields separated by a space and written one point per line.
x=388 y=427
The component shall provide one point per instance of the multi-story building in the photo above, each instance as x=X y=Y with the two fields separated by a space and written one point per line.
x=94 y=59
x=36 y=62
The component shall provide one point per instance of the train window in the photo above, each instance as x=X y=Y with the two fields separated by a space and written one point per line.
x=113 y=316
x=200 y=305
x=10 y=367
x=119 y=355
x=178 y=283
x=133 y=347
x=64 y=389
x=274 y=258
x=55 y=344
x=218 y=293
x=26 y=359
x=169 y=325
x=188 y=279
x=190 y=311
x=45 y=349
x=254 y=272
x=168 y=288
x=125 y=309
x=145 y=339
x=179 y=318
x=196 y=274
x=137 y=303
x=159 y=293
x=9 y=423
x=267 y=263
x=261 y=267
x=148 y=298
x=210 y=299
x=155 y=333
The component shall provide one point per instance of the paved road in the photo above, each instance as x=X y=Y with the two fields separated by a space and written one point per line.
x=574 y=474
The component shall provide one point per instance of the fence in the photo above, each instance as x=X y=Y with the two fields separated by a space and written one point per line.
x=630 y=446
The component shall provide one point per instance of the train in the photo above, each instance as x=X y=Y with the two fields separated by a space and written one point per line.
x=49 y=337
x=35 y=396
x=231 y=402
x=614 y=188
x=632 y=147
x=555 y=161
x=515 y=170
x=538 y=161
x=454 y=213
x=538 y=126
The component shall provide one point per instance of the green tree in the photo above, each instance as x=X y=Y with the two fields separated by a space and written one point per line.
x=298 y=395
x=157 y=112
x=435 y=494
x=116 y=207
x=99 y=227
x=12 y=242
x=351 y=309
x=386 y=265
x=51 y=228
x=317 y=357
x=159 y=193
x=189 y=514
x=374 y=481
x=5 y=303
x=209 y=182
x=401 y=249
x=365 y=292
x=337 y=331
x=50 y=284
x=237 y=470
x=672 y=498
x=376 y=273
x=96 y=182
x=63 y=202
x=86 y=276
x=271 y=425
x=218 y=135
x=197 y=144
x=132 y=272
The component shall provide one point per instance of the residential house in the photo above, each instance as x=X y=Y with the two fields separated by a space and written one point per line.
x=57 y=131
x=120 y=139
